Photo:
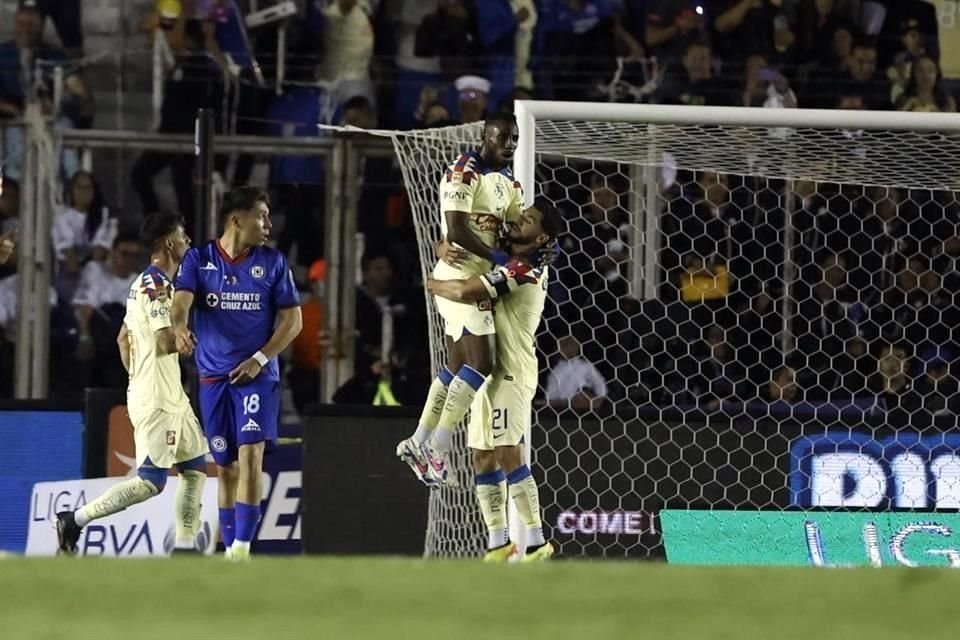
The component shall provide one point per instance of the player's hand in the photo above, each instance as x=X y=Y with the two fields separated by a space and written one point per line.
x=451 y=254
x=185 y=340
x=546 y=256
x=7 y=245
x=245 y=372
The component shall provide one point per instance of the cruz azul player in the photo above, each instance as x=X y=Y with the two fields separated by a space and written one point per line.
x=500 y=415
x=165 y=429
x=246 y=310
x=477 y=195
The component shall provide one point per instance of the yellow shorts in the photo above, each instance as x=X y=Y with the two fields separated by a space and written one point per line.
x=500 y=414
x=475 y=317
x=167 y=438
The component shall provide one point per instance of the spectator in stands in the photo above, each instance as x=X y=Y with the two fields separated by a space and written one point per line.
x=307 y=350
x=783 y=386
x=82 y=231
x=9 y=307
x=67 y=18
x=9 y=219
x=100 y=305
x=472 y=94
x=7 y=245
x=765 y=86
x=670 y=25
x=18 y=61
x=574 y=381
x=743 y=26
x=347 y=42
x=912 y=47
x=719 y=376
x=696 y=84
x=825 y=31
x=193 y=83
x=861 y=78
x=896 y=395
x=924 y=90
x=416 y=69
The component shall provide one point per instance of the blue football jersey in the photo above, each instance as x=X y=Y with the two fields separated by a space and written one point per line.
x=235 y=304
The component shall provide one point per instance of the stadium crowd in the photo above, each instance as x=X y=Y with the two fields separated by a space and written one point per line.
x=870 y=313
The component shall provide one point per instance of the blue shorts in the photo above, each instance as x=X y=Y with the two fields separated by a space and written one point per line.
x=237 y=415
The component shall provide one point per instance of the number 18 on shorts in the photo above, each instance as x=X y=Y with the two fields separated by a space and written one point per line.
x=237 y=415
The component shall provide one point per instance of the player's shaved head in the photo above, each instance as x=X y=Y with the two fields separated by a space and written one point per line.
x=158 y=226
x=500 y=138
x=500 y=119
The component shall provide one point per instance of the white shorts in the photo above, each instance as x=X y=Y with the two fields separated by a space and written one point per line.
x=167 y=438
x=475 y=317
x=500 y=414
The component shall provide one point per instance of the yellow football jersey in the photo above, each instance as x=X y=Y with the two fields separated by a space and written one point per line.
x=517 y=318
x=488 y=196
x=154 y=379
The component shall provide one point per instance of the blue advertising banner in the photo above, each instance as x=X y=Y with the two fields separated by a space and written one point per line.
x=852 y=470
x=38 y=446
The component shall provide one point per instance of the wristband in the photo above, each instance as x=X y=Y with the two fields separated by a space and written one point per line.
x=261 y=358
x=499 y=257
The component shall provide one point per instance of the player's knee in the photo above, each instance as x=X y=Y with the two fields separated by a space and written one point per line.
x=250 y=456
x=509 y=458
x=197 y=464
x=484 y=461
x=156 y=478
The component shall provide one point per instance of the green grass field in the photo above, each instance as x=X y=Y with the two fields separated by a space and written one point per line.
x=360 y=598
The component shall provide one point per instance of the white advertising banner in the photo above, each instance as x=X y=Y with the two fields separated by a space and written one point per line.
x=145 y=529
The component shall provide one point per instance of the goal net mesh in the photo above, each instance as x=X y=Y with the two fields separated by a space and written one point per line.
x=741 y=318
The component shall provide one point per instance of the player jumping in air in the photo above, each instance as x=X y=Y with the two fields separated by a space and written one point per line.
x=500 y=415
x=477 y=194
x=247 y=311
x=165 y=428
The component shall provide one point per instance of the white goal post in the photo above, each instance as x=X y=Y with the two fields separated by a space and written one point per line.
x=660 y=441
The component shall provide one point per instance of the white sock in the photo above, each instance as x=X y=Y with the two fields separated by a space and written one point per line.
x=497 y=537
x=421 y=435
x=535 y=537
x=441 y=439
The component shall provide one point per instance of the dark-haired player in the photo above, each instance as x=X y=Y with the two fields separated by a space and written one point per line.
x=500 y=415
x=477 y=195
x=165 y=428
x=247 y=311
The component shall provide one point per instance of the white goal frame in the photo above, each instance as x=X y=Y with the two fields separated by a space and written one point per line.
x=529 y=112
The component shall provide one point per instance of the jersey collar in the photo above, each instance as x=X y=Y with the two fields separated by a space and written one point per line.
x=226 y=256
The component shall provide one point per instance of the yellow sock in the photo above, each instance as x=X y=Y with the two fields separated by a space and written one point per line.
x=492 y=496
x=186 y=507
x=526 y=498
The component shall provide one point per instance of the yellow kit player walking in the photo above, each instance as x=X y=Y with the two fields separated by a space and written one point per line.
x=166 y=431
x=500 y=415
x=477 y=195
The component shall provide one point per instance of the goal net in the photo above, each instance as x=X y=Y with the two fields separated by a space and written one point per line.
x=753 y=311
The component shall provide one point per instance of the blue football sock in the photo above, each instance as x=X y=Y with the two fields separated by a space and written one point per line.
x=227 y=526
x=247 y=517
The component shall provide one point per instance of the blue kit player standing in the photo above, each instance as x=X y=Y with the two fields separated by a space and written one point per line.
x=247 y=311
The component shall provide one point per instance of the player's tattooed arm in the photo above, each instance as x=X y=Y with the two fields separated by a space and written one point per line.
x=471 y=290
x=184 y=339
x=123 y=343
x=458 y=230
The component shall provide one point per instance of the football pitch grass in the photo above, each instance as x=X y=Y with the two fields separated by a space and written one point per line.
x=361 y=598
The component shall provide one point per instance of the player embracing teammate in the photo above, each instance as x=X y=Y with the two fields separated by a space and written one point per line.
x=478 y=195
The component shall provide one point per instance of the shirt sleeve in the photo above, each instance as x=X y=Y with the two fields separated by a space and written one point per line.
x=155 y=293
x=187 y=276
x=284 y=291
x=61 y=234
x=105 y=233
x=503 y=280
x=458 y=189
x=597 y=383
x=86 y=295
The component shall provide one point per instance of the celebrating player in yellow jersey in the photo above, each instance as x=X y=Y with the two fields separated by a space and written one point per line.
x=477 y=195
x=165 y=428
x=500 y=415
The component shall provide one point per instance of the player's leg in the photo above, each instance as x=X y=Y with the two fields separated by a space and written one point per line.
x=409 y=449
x=191 y=464
x=148 y=482
x=150 y=434
x=489 y=480
x=511 y=422
x=257 y=415
x=216 y=405
x=477 y=350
